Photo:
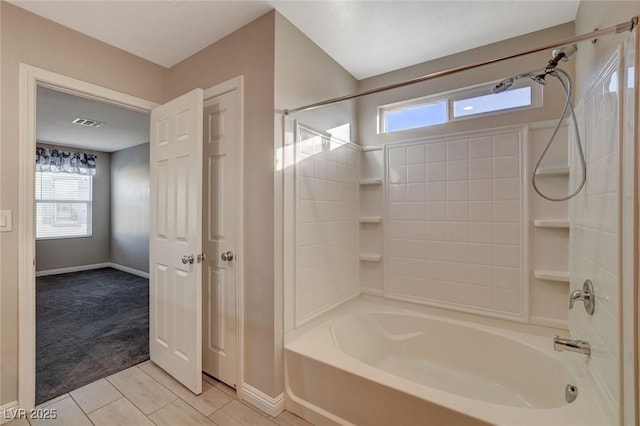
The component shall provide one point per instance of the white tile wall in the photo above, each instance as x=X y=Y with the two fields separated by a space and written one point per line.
x=453 y=223
x=595 y=237
x=326 y=241
x=629 y=226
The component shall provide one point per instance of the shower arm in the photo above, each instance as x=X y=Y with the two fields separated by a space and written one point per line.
x=612 y=30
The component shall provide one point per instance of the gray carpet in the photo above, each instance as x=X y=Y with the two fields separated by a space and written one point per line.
x=89 y=325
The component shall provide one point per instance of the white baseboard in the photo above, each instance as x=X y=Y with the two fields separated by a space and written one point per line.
x=265 y=403
x=72 y=269
x=8 y=412
x=90 y=267
x=129 y=270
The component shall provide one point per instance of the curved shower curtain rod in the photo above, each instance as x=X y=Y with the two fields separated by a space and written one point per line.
x=615 y=29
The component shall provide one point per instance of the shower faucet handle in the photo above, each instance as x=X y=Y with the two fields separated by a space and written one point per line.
x=586 y=295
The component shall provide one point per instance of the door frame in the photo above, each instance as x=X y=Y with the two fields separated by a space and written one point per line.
x=237 y=84
x=30 y=78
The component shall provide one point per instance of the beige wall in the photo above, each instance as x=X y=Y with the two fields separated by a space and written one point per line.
x=130 y=188
x=553 y=99
x=33 y=40
x=304 y=74
x=248 y=51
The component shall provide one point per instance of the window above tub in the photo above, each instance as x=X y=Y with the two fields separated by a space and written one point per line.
x=461 y=104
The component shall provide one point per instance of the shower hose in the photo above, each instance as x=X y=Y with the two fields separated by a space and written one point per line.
x=567 y=89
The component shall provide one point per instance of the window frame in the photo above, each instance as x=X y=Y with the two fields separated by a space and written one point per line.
x=56 y=203
x=457 y=95
x=412 y=103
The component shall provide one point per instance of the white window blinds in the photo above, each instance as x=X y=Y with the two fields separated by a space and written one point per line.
x=63 y=205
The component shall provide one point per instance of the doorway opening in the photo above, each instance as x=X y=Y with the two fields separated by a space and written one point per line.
x=91 y=239
x=31 y=79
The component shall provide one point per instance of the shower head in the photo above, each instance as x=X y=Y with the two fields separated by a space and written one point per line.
x=503 y=85
x=537 y=76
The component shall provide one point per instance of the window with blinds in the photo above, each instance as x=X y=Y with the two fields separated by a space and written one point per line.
x=63 y=205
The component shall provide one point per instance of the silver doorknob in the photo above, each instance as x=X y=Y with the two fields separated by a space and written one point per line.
x=227 y=257
x=188 y=259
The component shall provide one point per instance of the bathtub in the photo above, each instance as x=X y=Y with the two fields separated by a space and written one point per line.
x=369 y=364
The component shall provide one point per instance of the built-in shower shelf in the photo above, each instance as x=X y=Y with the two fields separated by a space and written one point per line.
x=559 y=276
x=371 y=257
x=370 y=148
x=553 y=171
x=371 y=219
x=551 y=223
x=370 y=181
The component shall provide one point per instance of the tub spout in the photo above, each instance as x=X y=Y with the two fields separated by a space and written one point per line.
x=579 y=346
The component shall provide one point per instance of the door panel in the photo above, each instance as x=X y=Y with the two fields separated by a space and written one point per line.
x=221 y=209
x=175 y=305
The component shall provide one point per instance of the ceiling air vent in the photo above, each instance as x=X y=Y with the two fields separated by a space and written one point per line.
x=87 y=122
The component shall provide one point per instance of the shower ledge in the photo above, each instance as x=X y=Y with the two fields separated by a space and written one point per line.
x=551 y=223
x=371 y=219
x=370 y=181
x=371 y=257
x=553 y=171
x=559 y=276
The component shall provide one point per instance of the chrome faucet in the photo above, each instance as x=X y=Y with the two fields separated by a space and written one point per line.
x=580 y=346
x=586 y=295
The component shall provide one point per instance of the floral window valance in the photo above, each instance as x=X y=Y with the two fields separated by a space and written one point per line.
x=55 y=160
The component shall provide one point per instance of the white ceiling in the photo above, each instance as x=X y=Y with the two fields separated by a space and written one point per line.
x=55 y=111
x=366 y=37
x=373 y=37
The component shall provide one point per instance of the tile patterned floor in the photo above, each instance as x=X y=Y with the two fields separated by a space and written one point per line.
x=146 y=395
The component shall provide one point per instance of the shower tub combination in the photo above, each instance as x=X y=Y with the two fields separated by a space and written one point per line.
x=371 y=364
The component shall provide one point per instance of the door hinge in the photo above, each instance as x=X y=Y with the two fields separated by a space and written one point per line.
x=201 y=258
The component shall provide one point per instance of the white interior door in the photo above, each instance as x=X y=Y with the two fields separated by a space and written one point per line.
x=221 y=216
x=175 y=293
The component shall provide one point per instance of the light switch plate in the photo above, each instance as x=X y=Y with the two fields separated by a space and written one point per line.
x=6 y=224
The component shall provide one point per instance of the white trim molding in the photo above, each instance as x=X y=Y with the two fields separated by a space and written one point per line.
x=265 y=403
x=8 y=412
x=237 y=83
x=128 y=270
x=30 y=78
x=81 y=268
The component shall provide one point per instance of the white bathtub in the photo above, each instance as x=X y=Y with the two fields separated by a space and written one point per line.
x=368 y=364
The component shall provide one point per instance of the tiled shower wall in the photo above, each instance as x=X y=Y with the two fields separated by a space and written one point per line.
x=595 y=234
x=454 y=223
x=326 y=236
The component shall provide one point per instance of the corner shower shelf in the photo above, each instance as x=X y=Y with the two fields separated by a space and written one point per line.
x=559 y=276
x=551 y=223
x=371 y=219
x=370 y=148
x=371 y=257
x=553 y=171
x=370 y=181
